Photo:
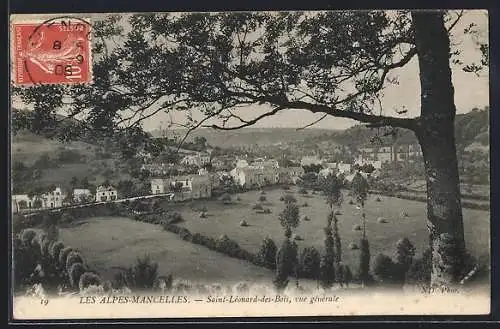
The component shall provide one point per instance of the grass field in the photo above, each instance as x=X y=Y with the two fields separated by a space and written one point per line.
x=111 y=243
x=225 y=219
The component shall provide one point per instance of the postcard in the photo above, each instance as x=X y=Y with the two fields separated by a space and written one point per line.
x=250 y=164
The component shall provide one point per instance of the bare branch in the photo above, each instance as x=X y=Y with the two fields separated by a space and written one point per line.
x=249 y=122
x=459 y=15
x=313 y=123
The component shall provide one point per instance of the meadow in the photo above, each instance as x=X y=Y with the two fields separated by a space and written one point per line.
x=110 y=244
x=225 y=219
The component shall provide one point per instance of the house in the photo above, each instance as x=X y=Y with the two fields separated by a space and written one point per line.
x=23 y=201
x=290 y=175
x=199 y=159
x=53 y=199
x=265 y=163
x=310 y=160
x=82 y=195
x=189 y=186
x=158 y=169
x=106 y=193
x=387 y=154
x=255 y=176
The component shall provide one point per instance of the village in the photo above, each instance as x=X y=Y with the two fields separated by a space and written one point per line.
x=199 y=173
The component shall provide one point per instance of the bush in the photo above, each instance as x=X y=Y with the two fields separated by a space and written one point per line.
x=378 y=199
x=55 y=249
x=88 y=279
x=28 y=236
x=172 y=228
x=420 y=269
x=310 y=263
x=282 y=198
x=67 y=218
x=305 y=204
x=384 y=268
x=72 y=258
x=267 y=253
x=225 y=245
x=226 y=198
x=63 y=255
x=175 y=217
x=243 y=223
x=143 y=274
x=45 y=248
x=305 y=218
x=75 y=272
x=350 y=202
x=185 y=234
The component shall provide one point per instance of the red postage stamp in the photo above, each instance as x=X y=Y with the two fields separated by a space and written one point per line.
x=54 y=51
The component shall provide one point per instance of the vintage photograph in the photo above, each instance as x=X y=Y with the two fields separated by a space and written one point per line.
x=287 y=163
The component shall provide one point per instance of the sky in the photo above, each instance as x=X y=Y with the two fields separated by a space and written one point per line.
x=470 y=90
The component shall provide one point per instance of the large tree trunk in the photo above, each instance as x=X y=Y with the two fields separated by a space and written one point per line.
x=435 y=132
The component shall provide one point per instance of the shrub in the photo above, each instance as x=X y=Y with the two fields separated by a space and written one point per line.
x=45 y=248
x=55 y=249
x=88 y=279
x=185 y=234
x=72 y=258
x=310 y=263
x=75 y=272
x=350 y=202
x=305 y=218
x=267 y=253
x=378 y=199
x=288 y=198
x=28 y=236
x=243 y=223
x=175 y=217
x=143 y=274
x=66 y=217
x=384 y=268
x=282 y=198
x=197 y=238
x=63 y=255
x=225 y=245
x=305 y=204
x=226 y=198
x=172 y=228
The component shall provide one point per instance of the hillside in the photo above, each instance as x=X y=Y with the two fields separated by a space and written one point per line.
x=470 y=128
x=248 y=136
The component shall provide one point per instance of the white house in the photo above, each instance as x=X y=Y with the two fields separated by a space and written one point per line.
x=23 y=201
x=255 y=176
x=106 y=193
x=199 y=159
x=53 y=199
x=310 y=160
x=195 y=186
x=81 y=195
